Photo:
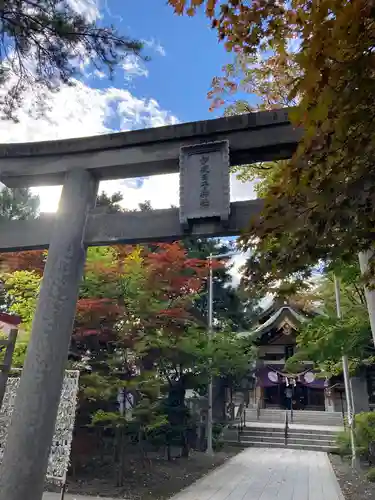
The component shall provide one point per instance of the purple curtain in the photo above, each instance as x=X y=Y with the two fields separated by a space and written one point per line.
x=269 y=376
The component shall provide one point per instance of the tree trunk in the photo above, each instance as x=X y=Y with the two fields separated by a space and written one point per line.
x=119 y=457
x=178 y=413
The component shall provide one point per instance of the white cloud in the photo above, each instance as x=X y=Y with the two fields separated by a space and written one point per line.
x=238 y=261
x=140 y=113
x=72 y=112
x=99 y=74
x=89 y=9
x=108 y=10
x=160 y=50
x=81 y=111
x=161 y=190
x=155 y=45
x=134 y=66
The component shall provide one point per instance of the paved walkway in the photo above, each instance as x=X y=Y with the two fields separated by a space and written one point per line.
x=56 y=496
x=269 y=474
x=262 y=474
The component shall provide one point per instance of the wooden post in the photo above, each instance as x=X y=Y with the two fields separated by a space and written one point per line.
x=10 y=343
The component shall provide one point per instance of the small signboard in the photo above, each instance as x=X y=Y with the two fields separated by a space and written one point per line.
x=204 y=181
x=60 y=447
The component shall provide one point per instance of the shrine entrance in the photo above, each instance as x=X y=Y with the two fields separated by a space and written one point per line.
x=202 y=152
x=299 y=397
x=302 y=397
x=282 y=390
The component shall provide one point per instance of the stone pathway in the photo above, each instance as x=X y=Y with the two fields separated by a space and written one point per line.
x=268 y=474
x=261 y=474
x=56 y=496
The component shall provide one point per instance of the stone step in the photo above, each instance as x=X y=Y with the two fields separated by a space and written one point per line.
x=326 y=426
x=294 y=434
x=281 y=414
x=325 y=423
x=290 y=441
x=311 y=435
x=308 y=421
x=276 y=426
x=319 y=416
x=262 y=431
x=255 y=444
x=275 y=418
x=303 y=430
x=296 y=413
x=263 y=442
x=318 y=442
x=317 y=422
x=296 y=420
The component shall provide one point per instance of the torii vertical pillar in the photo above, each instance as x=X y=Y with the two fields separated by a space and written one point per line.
x=24 y=466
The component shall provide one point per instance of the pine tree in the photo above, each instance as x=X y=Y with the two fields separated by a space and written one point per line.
x=232 y=308
x=45 y=43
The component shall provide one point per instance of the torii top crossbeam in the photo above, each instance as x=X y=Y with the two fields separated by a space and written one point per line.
x=262 y=136
x=253 y=137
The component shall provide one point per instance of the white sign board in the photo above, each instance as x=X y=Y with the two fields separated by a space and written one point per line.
x=204 y=181
x=59 y=457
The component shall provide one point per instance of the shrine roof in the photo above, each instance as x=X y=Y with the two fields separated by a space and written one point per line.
x=284 y=313
x=277 y=316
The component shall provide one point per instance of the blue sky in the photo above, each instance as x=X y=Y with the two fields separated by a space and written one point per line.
x=181 y=78
x=172 y=87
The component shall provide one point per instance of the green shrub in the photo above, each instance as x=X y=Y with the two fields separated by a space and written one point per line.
x=364 y=435
x=217 y=437
x=343 y=446
x=365 y=429
x=371 y=475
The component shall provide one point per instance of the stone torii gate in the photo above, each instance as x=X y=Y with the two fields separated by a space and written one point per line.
x=202 y=151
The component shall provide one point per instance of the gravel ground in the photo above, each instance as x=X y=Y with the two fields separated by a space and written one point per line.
x=354 y=484
x=157 y=480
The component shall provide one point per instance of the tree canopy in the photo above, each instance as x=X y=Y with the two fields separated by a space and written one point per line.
x=141 y=328
x=45 y=43
x=18 y=203
x=326 y=338
x=232 y=308
x=329 y=184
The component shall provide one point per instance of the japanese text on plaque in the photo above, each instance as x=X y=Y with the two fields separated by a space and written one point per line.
x=204 y=186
